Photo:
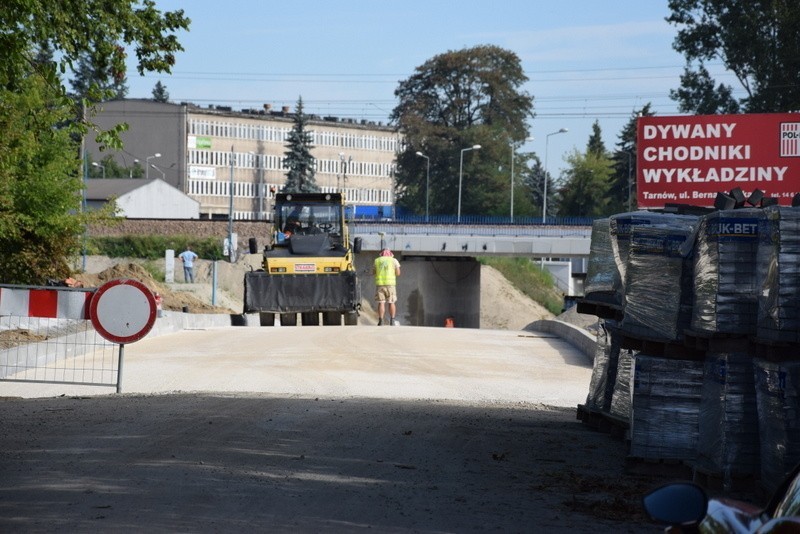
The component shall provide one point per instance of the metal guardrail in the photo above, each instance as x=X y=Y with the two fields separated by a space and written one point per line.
x=476 y=240
x=56 y=351
x=401 y=228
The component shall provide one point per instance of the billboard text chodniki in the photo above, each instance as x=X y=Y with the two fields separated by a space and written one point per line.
x=688 y=160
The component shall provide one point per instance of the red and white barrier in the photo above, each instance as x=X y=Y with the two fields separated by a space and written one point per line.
x=45 y=302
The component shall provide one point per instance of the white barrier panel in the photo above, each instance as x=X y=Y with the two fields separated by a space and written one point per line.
x=42 y=302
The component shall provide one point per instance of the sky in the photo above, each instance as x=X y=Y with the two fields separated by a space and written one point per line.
x=586 y=60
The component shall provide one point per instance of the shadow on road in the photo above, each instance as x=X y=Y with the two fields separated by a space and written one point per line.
x=233 y=463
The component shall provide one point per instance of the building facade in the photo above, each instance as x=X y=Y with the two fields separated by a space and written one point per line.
x=232 y=161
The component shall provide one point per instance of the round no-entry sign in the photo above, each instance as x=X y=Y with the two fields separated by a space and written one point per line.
x=123 y=310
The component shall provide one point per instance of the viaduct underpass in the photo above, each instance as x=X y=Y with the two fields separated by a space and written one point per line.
x=440 y=273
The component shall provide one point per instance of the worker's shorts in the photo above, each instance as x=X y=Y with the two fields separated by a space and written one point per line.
x=386 y=294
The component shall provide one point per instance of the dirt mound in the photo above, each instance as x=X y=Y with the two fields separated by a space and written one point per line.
x=503 y=306
x=173 y=300
x=12 y=338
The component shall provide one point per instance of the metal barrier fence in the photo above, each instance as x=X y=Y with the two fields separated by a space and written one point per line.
x=46 y=337
x=57 y=351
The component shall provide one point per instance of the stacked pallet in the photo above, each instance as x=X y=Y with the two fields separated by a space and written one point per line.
x=778 y=399
x=702 y=346
x=725 y=294
x=778 y=268
x=729 y=431
x=658 y=279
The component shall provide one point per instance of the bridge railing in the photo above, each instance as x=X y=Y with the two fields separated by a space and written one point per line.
x=481 y=220
x=463 y=229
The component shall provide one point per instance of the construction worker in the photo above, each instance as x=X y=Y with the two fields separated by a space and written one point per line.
x=386 y=270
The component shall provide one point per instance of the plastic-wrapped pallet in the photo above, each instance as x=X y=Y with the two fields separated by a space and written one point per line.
x=658 y=281
x=666 y=407
x=778 y=268
x=604 y=371
x=621 y=397
x=778 y=401
x=621 y=226
x=602 y=275
x=729 y=442
x=725 y=282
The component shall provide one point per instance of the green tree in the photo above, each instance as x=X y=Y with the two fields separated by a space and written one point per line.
x=298 y=159
x=533 y=176
x=160 y=93
x=596 y=145
x=41 y=172
x=454 y=101
x=758 y=41
x=109 y=168
x=40 y=189
x=104 y=30
x=97 y=84
x=622 y=186
x=584 y=191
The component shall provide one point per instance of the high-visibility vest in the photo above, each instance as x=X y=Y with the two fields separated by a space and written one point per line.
x=385 y=271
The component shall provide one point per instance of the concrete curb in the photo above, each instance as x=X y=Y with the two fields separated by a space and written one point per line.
x=173 y=321
x=575 y=336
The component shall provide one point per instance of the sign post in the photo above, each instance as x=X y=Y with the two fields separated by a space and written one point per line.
x=122 y=311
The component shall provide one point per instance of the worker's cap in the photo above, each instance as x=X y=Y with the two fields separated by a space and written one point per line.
x=386 y=252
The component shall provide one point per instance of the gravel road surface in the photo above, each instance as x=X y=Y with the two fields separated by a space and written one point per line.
x=319 y=429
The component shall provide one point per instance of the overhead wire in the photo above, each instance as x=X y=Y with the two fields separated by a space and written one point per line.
x=583 y=105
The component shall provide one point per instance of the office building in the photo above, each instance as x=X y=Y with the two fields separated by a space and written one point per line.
x=220 y=157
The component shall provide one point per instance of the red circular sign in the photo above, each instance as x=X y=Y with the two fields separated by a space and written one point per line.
x=123 y=310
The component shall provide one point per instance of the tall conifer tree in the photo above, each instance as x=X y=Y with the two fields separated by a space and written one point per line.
x=298 y=159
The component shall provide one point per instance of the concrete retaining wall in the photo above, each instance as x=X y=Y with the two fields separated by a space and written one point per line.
x=575 y=336
x=173 y=321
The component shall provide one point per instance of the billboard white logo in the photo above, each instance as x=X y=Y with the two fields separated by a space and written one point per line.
x=790 y=139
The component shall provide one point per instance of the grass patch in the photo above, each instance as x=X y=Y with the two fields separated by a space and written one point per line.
x=153 y=247
x=529 y=278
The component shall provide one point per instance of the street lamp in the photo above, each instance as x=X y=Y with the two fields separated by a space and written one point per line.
x=427 y=183
x=95 y=164
x=147 y=164
x=343 y=168
x=544 y=196
x=163 y=174
x=460 y=175
x=511 y=209
x=130 y=171
x=231 y=251
x=261 y=185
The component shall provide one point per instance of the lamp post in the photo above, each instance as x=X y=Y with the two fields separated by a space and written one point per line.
x=261 y=185
x=130 y=171
x=231 y=252
x=544 y=196
x=427 y=183
x=460 y=176
x=102 y=167
x=344 y=167
x=163 y=174
x=147 y=164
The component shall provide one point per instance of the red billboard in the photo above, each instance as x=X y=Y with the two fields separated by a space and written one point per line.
x=688 y=160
